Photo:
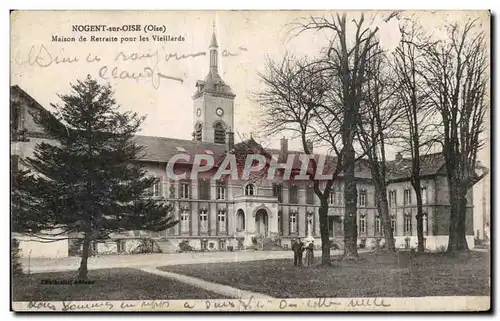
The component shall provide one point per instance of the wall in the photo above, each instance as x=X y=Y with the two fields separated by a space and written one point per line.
x=37 y=248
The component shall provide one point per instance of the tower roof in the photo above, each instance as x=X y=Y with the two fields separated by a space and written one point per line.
x=213 y=43
x=213 y=82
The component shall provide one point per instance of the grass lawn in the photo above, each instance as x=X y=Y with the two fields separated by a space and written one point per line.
x=109 y=284
x=373 y=275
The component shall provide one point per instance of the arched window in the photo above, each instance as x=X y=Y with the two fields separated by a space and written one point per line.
x=198 y=131
x=240 y=220
x=219 y=133
x=425 y=224
x=249 y=190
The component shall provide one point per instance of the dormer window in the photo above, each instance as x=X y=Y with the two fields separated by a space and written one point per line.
x=249 y=190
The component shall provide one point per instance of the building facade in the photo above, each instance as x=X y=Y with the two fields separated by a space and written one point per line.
x=256 y=213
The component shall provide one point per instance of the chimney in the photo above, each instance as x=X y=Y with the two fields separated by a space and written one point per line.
x=310 y=146
x=399 y=157
x=229 y=141
x=283 y=149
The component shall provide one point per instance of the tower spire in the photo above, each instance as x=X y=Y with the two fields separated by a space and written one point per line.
x=213 y=51
x=213 y=43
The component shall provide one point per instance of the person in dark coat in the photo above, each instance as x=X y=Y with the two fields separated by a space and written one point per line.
x=298 y=249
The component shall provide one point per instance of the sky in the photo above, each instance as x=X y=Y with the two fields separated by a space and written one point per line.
x=246 y=39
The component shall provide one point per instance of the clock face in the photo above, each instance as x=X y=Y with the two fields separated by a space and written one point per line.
x=219 y=112
x=198 y=112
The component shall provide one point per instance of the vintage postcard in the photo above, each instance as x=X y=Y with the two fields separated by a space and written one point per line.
x=250 y=160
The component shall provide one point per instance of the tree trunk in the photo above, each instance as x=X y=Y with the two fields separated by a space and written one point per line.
x=385 y=221
x=82 y=271
x=461 y=240
x=420 y=216
x=325 y=236
x=350 y=201
x=452 y=234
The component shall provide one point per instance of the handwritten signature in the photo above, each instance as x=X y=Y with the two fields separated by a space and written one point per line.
x=68 y=305
x=41 y=56
x=376 y=302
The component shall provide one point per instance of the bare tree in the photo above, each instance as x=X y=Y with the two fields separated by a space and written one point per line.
x=457 y=76
x=416 y=127
x=295 y=99
x=378 y=113
x=347 y=60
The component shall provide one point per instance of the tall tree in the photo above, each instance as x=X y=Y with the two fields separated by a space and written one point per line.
x=295 y=99
x=347 y=60
x=457 y=76
x=416 y=127
x=88 y=180
x=378 y=113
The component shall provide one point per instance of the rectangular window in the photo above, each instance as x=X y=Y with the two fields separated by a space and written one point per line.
x=280 y=222
x=331 y=199
x=221 y=220
x=278 y=192
x=362 y=198
x=154 y=190
x=331 y=225
x=425 y=224
x=293 y=194
x=184 y=190
x=222 y=245
x=392 y=198
x=203 y=220
x=221 y=190
x=377 y=225
x=393 y=226
x=362 y=224
x=184 y=220
x=407 y=197
x=408 y=223
x=204 y=244
x=293 y=222
x=424 y=195
x=156 y=187
x=204 y=189
x=310 y=194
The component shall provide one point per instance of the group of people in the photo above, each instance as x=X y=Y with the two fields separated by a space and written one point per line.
x=298 y=248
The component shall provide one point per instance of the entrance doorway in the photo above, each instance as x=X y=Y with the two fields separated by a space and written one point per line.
x=261 y=223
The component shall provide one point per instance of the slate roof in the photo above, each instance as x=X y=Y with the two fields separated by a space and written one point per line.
x=161 y=149
x=430 y=164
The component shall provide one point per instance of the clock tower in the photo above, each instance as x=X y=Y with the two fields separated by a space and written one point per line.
x=213 y=104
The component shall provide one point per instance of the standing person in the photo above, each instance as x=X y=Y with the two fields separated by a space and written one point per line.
x=298 y=248
x=310 y=254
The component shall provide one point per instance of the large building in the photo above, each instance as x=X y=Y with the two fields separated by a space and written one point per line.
x=255 y=213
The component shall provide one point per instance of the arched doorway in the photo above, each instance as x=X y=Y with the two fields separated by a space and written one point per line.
x=262 y=222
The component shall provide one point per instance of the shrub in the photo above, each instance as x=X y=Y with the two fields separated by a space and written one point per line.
x=362 y=244
x=17 y=269
x=335 y=246
x=185 y=247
